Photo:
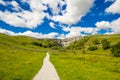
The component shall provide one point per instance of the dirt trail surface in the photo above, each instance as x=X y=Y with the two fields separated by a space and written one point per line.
x=47 y=71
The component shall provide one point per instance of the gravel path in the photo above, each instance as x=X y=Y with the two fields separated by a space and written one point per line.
x=47 y=71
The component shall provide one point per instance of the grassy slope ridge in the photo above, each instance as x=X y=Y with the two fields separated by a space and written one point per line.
x=19 y=58
x=94 y=65
x=113 y=38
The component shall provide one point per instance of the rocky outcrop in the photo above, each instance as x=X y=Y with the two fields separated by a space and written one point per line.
x=67 y=41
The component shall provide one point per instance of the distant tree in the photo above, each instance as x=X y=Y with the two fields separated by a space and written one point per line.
x=37 y=43
x=105 y=44
x=92 y=48
x=78 y=44
x=24 y=43
x=46 y=43
x=115 y=49
x=96 y=42
x=82 y=43
x=86 y=38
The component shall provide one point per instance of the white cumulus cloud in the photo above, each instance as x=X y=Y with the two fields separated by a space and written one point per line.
x=29 y=33
x=114 y=8
x=2 y=2
x=12 y=19
x=15 y=5
x=52 y=25
x=76 y=31
x=7 y=32
x=39 y=35
x=103 y=25
x=24 y=18
x=53 y=4
x=75 y=10
x=114 y=25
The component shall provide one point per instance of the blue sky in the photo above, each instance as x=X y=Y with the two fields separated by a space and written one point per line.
x=59 y=18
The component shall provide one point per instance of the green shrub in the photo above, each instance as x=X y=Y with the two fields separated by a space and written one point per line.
x=62 y=49
x=46 y=43
x=37 y=43
x=92 y=48
x=105 y=44
x=96 y=42
x=24 y=43
x=115 y=49
x=78 y=44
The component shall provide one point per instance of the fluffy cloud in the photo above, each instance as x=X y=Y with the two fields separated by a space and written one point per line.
x=114 y=8
x=4 y=31
x=75 y=10
x=2 y=2
x=76 y=31
x=12 y=19
x=103 y=25
x=32 y=19
x=39 y=35
x=53 y=4
x=87 y=30
x=24 y=18
x=29 y=33
x=114 y=25
x=15 y=5
x=61 y=36
x=36 y=5
x=52 y=25
x=66 y=29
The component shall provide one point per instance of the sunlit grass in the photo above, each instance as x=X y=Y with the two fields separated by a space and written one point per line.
x=92 y=65
x=17 y=64
x=21 y=60
x=18 y=61
x=112 y=38
x=89 y=66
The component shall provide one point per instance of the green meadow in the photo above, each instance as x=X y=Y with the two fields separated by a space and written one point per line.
x=82 y=64
x=89 y=66
x=21 y=58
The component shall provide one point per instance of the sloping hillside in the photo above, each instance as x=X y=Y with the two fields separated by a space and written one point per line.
x=21 y=57
x=113 y=38
x=89 y=40
x=86 y=60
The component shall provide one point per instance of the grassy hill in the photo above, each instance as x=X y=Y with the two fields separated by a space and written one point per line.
x=88 y=40
x=79 y=63
x=21 y=57
x=113 y=38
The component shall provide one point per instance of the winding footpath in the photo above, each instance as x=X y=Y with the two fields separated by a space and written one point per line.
x=47 y=71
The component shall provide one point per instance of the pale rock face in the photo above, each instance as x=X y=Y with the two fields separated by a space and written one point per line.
x=66 y=42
